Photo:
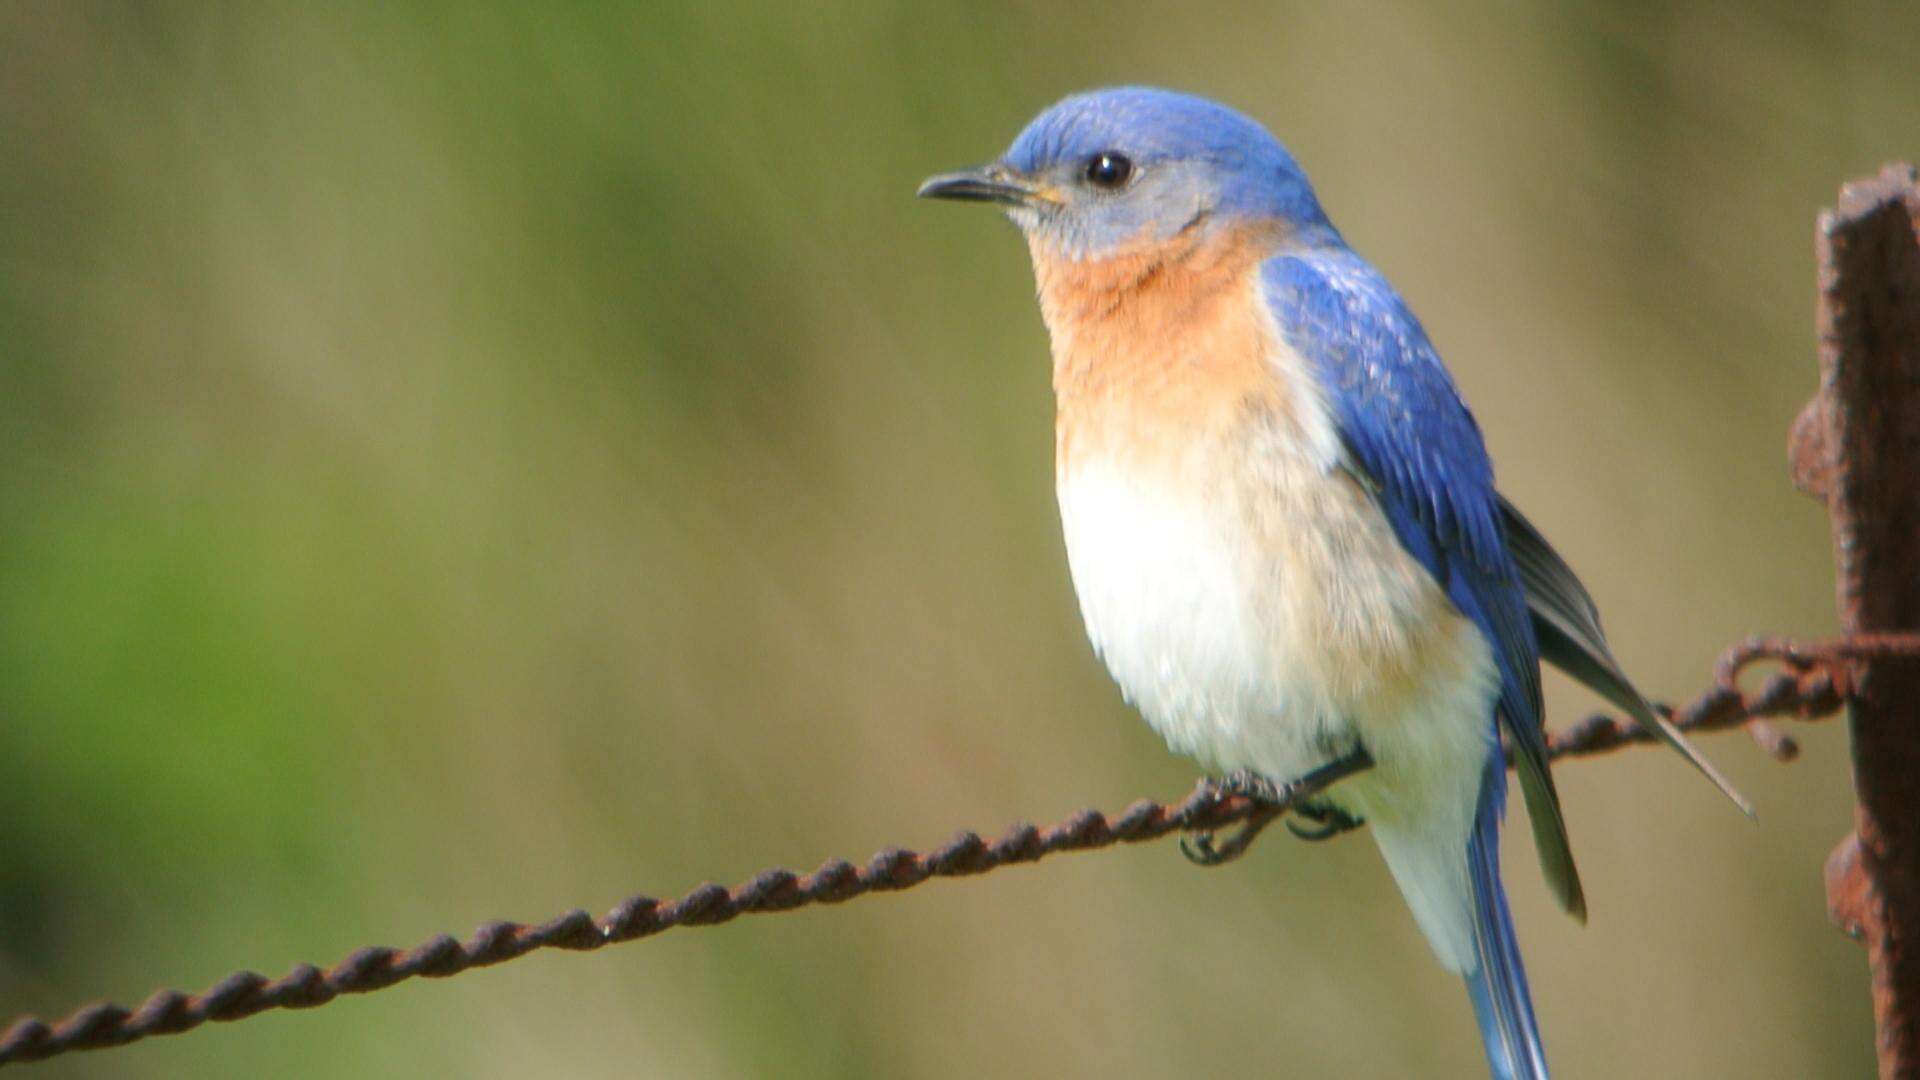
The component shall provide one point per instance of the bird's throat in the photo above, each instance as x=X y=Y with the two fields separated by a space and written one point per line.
x=1155 y=346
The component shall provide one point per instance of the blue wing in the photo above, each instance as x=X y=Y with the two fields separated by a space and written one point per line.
x=1411 y=438
x=1406 y=429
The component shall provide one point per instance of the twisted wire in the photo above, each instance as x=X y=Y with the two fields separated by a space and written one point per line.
x=1814 y=681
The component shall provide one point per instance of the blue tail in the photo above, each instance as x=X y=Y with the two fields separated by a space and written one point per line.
x=1501 y=1001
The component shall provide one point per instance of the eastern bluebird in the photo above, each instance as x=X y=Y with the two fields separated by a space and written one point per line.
x=1280 y=518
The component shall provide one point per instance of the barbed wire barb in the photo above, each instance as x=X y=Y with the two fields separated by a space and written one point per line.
x=1814 y=681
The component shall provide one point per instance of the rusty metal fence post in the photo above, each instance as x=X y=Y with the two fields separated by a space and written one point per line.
x=1857 y=448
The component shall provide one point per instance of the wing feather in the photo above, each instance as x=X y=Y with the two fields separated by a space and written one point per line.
x=1567 y=625
x=1405 y=428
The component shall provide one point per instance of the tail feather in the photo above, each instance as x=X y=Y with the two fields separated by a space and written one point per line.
x=1498 y=983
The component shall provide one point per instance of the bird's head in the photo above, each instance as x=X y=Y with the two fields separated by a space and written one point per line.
x=1111 y=171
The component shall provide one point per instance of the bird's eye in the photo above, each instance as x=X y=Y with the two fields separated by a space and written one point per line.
x=1109 y=170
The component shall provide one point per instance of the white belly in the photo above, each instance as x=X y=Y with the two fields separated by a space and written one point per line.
x=1165 y=595
x=1274 y=623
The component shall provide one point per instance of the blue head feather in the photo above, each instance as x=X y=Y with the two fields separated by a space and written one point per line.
x=1194 y=162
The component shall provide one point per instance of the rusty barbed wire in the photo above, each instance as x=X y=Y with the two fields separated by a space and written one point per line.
x=1817 y=678
x=1816 y=681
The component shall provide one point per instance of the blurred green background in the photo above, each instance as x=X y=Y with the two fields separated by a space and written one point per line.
x=466 y=462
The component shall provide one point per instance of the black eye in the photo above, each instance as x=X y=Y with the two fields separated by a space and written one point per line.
x=1108 y=170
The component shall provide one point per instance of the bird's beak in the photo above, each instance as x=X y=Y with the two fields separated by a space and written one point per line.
x=988 y=183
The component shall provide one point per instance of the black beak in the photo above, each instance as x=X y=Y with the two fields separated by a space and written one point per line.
x=989 y=183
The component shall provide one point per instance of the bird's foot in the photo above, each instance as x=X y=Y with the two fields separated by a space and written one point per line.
x=1201 y=849
x=1272 y=799
x=1255 y=787
x=1328 y=822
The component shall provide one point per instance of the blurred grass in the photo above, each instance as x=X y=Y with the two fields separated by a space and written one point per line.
x=470 y=461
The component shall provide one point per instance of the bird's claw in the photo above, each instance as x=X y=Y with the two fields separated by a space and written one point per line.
x=1272 y=799
x=1202 y=849
x=1328 y=822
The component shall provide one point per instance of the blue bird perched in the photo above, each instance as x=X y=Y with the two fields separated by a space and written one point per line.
x=1280 y=518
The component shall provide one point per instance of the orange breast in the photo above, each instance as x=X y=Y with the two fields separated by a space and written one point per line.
x=1157 y=347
